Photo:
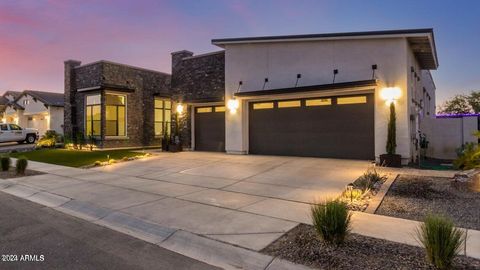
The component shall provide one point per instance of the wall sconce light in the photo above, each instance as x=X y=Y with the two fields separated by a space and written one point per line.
x=390 y=94
x=233 y=105
x=179 y=108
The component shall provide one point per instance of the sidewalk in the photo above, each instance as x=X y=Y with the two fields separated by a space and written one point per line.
x=187 y=238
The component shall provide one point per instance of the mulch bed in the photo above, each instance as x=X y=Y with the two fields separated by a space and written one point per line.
x=302 y=245
x=11 y=173
x=413 y=197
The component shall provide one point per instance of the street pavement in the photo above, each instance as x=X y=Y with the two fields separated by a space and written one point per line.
x=47 y=239
x=13 y=146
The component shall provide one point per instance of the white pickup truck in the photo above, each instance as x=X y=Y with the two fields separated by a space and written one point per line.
x=14 y=133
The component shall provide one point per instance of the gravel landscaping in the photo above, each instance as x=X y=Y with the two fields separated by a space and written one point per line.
x=301 y=245
x=11 y=173
x=413 y=197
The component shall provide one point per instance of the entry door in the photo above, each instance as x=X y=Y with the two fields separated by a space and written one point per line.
x=210 y=128
x=332 y=127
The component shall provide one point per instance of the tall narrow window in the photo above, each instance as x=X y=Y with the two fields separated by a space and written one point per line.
x=163 y=112
x=115 y=115
x=92 y=115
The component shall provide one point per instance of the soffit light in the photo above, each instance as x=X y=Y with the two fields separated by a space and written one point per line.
x=390 y=94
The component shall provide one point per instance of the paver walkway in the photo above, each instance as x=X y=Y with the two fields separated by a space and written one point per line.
x=247 y=201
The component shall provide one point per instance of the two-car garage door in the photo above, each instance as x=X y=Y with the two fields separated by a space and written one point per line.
x=336 y=127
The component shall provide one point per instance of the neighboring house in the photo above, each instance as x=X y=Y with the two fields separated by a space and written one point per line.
x=35 y=109
x=6 y=98
x=318 y=95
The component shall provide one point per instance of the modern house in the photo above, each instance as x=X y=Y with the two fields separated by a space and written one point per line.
x=34 y=109
x=322 y=95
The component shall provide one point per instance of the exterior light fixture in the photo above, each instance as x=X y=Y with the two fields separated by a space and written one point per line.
x=232 y=105
x=390 y=94
x=179 y=108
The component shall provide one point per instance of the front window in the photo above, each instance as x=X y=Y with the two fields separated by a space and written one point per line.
x=93 y=116
x=163 y=112
x=115 y=115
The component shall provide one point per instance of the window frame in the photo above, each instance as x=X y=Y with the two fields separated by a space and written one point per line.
x=90 y=107
x=117 y=120
x=166 y=124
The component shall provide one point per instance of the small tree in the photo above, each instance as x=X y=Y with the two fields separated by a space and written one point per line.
x=392 y=131
x=459 y=104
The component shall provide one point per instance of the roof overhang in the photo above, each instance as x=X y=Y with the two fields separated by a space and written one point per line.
x=306 y=89
x=421 y=41
x=113 y=87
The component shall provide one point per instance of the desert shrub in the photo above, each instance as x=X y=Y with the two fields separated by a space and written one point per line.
x=49 y=139
x=352 y=194
x=441 y=240
x=98 y=163
x=331 y=221
x=111 y=161
x=468 y=157
x=21 y=165
x=369 y=179
x=46 y=142
x=6 y=162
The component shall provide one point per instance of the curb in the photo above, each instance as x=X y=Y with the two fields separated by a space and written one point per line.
x=378 y=198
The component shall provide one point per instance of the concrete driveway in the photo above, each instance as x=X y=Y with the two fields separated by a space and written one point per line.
x=244 y=200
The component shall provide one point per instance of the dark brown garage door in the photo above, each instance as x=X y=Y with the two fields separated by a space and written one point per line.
x=210 y=128
x=336 y=127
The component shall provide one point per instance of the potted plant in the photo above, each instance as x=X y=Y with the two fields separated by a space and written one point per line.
x=165 y=139
x=390 y=159
x=423 y=145
x=175 y=144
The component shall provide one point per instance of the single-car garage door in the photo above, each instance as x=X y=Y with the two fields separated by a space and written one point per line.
x=210 y=128
x=335 y=127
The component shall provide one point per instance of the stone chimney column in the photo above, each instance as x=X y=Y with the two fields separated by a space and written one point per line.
x=70 y=120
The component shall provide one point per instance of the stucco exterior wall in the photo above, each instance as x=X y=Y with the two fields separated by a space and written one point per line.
x=448 y=134
x=280 y=62
x=55 y=121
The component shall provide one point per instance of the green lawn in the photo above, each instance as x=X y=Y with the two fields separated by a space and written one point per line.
x=74 y=158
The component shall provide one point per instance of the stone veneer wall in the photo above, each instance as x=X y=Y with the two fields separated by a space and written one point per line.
x=196 y=79
x=112 y=76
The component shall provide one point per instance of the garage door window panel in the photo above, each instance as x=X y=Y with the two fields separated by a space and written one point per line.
x=351 y=100
x=263 y=106
x=204 y=110
x=318 y=102
x=289 y=104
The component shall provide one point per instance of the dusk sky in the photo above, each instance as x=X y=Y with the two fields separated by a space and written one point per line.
x=37 y=36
